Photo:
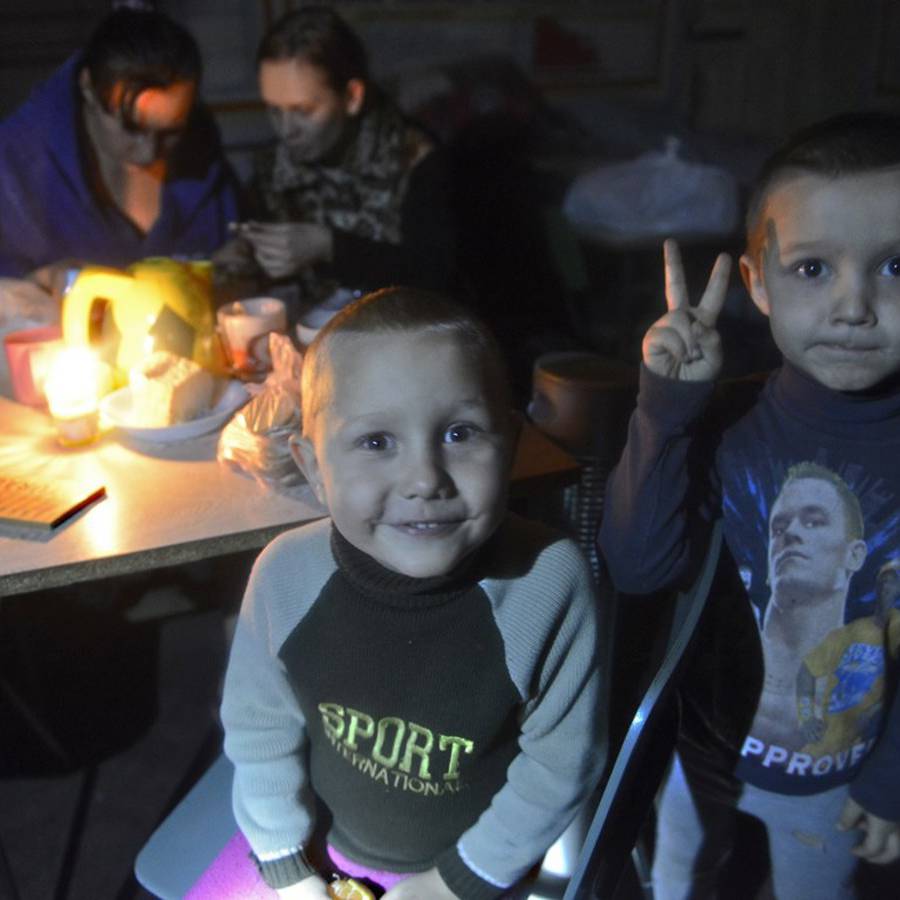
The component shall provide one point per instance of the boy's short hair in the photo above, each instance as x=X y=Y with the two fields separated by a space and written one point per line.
x=845 y=144
x=398 y=310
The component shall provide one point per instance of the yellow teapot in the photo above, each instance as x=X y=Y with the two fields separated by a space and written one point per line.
x=157 y=303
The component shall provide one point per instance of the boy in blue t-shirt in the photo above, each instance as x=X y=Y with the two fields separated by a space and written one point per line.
x=787 y=707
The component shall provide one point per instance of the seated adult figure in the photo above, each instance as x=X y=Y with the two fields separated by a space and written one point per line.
x=112 y=159
x=350 y=196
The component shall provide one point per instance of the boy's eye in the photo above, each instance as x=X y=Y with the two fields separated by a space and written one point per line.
x=456 y=434
x=377 y=441
x=811 y=268
x=891 y=267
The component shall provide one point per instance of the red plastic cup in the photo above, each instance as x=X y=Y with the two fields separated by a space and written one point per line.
x=29 y=353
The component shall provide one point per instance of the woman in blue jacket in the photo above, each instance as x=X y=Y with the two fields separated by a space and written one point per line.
x=112 y=158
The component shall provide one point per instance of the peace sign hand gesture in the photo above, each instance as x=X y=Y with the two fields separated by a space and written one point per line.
x=684 y=344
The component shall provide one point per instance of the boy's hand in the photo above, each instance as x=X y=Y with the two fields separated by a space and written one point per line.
x=881 y=843
x=312 y=888
x=424 y=886
x=684 y=343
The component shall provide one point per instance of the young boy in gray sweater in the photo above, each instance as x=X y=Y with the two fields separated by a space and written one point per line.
x=413 y=695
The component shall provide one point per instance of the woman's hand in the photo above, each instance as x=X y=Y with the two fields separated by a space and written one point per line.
x=424 y=886
x=311 y=888
x=53 y=278
x=684 y=344
x=282 y=249
x=235 y=255
x=21 y=298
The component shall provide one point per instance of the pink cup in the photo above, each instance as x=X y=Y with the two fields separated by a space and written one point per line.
x=29 y=353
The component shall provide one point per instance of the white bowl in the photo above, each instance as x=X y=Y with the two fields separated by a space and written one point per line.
x=117 y=409
x=305 y=334
x=316 y=316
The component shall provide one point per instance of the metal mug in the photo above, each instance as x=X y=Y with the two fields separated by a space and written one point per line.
x=577 y=397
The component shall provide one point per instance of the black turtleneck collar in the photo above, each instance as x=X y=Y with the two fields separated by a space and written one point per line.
x=396 y=589
x=840 y=413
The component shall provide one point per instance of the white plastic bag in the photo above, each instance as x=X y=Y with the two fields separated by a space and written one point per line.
x=256 y=441
x=655 y=194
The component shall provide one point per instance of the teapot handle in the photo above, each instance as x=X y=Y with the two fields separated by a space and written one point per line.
x=91 y=287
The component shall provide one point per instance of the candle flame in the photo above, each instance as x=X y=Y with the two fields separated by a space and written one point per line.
x=74 y=382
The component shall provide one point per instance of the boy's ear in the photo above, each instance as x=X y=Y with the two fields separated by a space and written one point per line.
x=354 y=96
x=304 y=454
x=751 y=273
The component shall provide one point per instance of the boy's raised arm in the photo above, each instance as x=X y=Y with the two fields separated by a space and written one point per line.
x=658 y=484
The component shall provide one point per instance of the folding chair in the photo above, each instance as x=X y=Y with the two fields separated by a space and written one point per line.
x=626 y=799
x=190 y=837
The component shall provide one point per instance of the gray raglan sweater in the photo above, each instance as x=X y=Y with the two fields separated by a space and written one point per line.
x=456 y=721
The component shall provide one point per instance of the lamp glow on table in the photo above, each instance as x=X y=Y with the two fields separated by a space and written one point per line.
x=73 y=387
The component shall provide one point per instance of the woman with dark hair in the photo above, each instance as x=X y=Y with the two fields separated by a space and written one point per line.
x=351 y=196
x=112 y=158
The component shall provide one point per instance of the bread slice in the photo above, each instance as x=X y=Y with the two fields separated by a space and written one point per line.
x=167 y=389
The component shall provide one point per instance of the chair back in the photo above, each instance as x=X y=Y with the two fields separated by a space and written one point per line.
x=190 y=837
x=640 y=765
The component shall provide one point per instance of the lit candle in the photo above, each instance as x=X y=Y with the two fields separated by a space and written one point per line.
x=73 y=389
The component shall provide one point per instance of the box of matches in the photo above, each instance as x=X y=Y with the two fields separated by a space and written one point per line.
x=44 y=504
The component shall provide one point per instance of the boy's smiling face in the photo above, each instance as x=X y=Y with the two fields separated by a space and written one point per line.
x=828 y=275
x=410 y=450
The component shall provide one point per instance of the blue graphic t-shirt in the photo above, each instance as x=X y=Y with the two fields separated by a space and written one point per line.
x=810 y=490
x=791 y=682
